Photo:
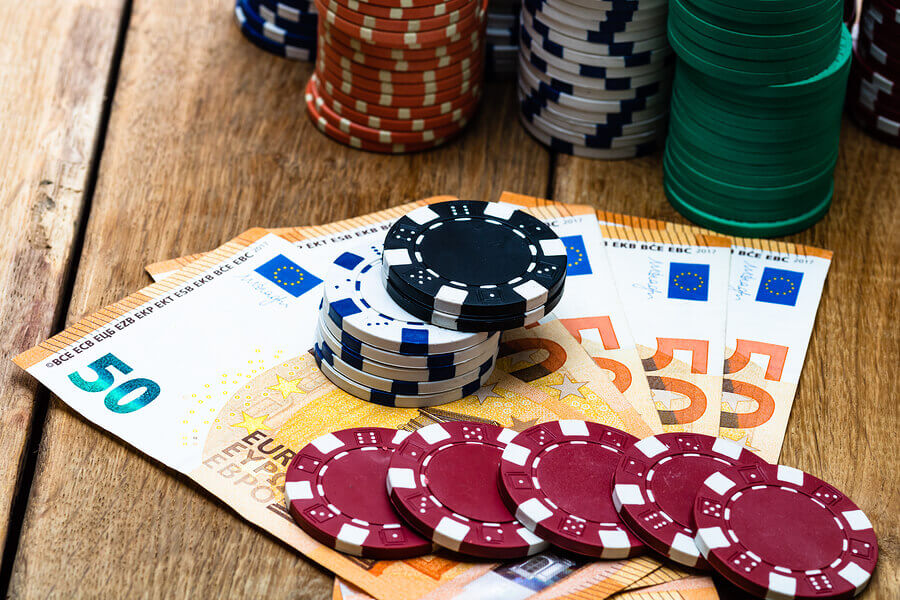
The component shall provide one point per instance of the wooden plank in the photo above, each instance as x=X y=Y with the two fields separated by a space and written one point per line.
x=208 y=136
x=843 y=425
x=55 y=60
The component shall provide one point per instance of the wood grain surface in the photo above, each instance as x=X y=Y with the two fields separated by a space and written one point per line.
x=55 y=59
x=207 y=137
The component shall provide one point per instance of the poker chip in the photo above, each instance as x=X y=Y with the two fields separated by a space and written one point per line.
x=356 y=301
x=338 y=98
x=873 y=95
x=557 y=478
x=394 y=76
x=474 y=259
x=585 y=68
x=393 y=365
x=271 y=38
x=458 y=323
x=299 y=22
x=353 y=77
x=360 y=372
x=753 y=138
x=376 y=396
x=656 y=483
x=777 y=532
x=459 y=115
x=398 y=11
x=385 y=136
x=442 y=16
x=460 y=44
x=333 y=491
x=443 y=481
x=408 y=39
x=463 y=66
x=337 y=134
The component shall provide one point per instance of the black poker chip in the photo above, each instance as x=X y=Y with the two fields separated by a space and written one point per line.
x=472 y=324
x=473 y=259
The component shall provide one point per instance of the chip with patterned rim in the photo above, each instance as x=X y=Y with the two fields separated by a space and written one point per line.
x=657 y=481
x=443 y=481
x=777 y=532
x=474 y=258
x=333 y=490
x=557 y=477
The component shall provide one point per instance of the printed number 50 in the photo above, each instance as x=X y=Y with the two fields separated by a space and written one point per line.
x=103 y=367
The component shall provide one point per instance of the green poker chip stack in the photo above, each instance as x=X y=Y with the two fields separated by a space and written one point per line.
x=756 y=112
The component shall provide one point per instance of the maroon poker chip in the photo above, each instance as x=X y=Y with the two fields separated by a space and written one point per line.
x=443 y=481
x=557 y=477
x=657 y=481
x=777 y=532
x=334 y=489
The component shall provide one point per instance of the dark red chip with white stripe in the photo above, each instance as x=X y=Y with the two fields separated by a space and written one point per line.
x=557 y=477
x=657 y=481
x=334 y=489
x=777 y=532
x=443 y=481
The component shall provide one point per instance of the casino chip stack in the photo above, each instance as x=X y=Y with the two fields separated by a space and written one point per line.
x=286 y=28
x=371 y=348
x=850 y=13
x=874 y=91
x=393 y=77
x=502 y=37
x=474 y=266
x=594 y=76
x=756 y=112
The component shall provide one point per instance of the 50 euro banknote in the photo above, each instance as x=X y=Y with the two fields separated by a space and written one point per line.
x=774 y=290
x=671 y=286
x=209 y=372
x=592 y=310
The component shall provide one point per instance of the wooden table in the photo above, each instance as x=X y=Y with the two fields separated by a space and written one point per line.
x=137 y=132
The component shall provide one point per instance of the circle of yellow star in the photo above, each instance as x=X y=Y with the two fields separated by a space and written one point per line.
x=286 y=386
x=252 y=424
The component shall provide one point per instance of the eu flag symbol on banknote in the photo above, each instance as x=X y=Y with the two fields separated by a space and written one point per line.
x=578 y=258
x=288 y=275
x=779 y=286
x=688 y=281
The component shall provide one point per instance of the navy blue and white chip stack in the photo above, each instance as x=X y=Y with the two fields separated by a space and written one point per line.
x=415 y=321
x=286 y=28
x=373 y=349
x=595 y=75
x=502 y=37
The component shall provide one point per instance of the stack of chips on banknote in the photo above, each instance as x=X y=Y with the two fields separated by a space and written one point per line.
x=502 y=37
x=286 y=27
x=594 y=77
x=756 y=112
x=415 y=323
x=873 y=96
x=370 y=347
x=393 y=78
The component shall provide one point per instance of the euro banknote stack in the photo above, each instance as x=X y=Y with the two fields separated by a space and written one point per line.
x=663 y=328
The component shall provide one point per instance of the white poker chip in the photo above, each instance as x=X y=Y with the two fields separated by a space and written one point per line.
x=356 y=301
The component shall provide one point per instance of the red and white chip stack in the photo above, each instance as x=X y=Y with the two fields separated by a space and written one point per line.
x=395 y=78
x=874 y=90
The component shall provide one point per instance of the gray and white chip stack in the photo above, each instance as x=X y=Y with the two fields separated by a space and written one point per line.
x=502 y=37
x=595 y=76
x=415 y=321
